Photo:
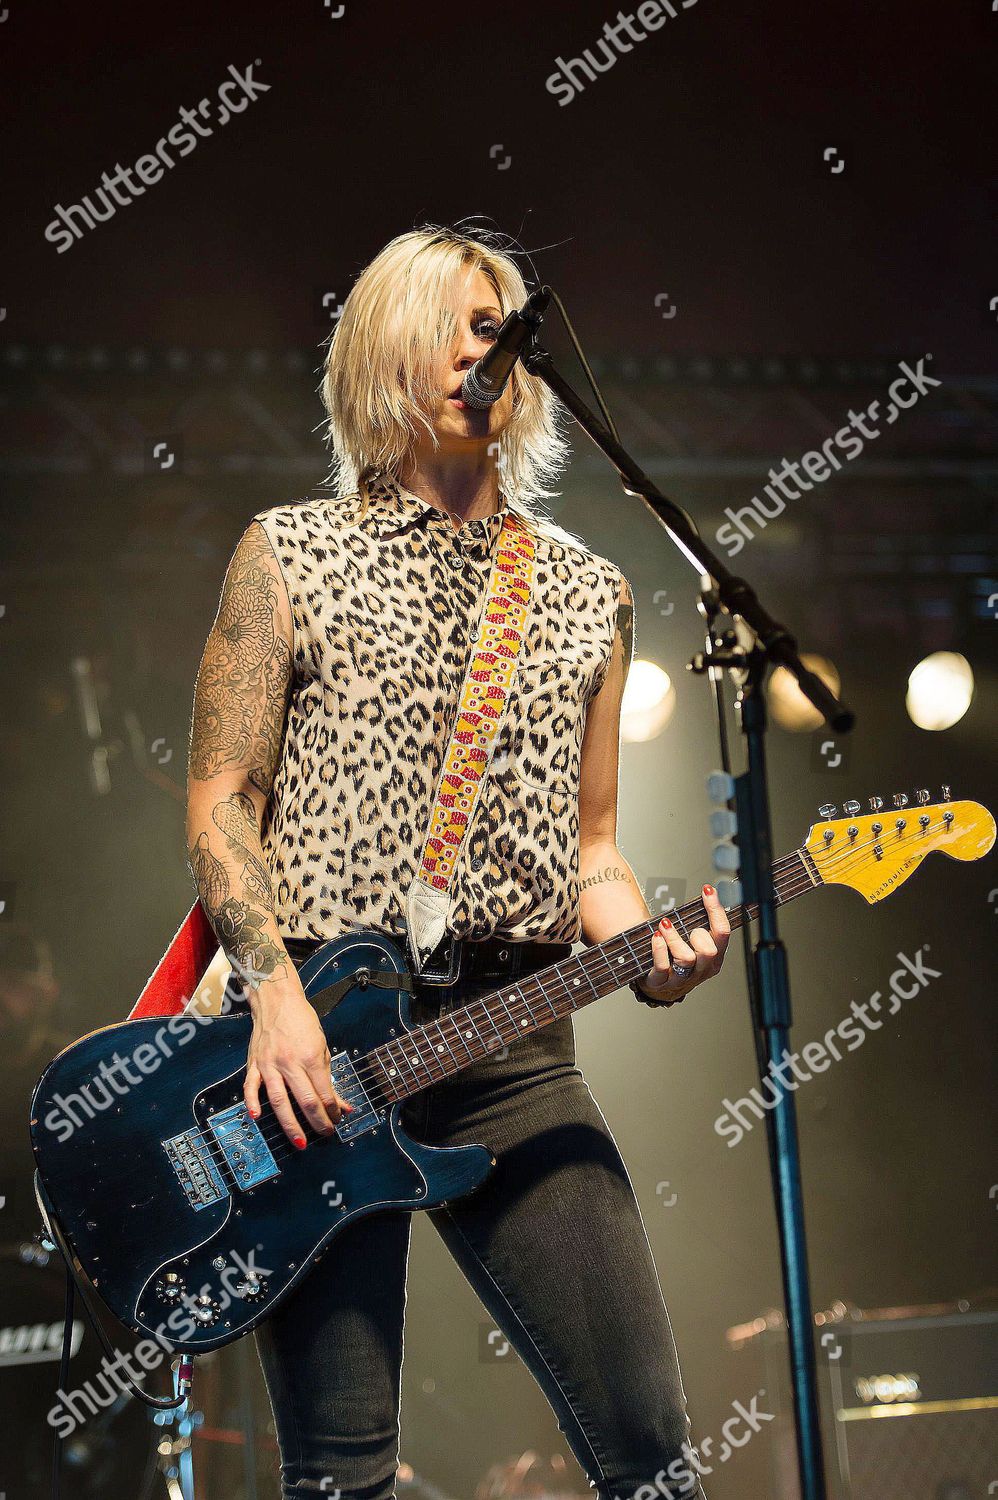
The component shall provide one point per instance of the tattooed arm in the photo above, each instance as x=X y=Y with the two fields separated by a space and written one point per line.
x=240 y=702
x=610 y=898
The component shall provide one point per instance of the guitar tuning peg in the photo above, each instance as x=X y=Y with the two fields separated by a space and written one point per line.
x=946 y=795
x=922 y=796
x=720 y=786
x=850 y=809
x=900 y=799
x=876 y=804
x=725 y=859
x=827 y=809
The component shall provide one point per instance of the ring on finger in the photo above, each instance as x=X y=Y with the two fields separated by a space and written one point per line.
x=683 y=971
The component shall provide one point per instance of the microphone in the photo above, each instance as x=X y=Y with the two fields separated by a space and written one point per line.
x=485 y=382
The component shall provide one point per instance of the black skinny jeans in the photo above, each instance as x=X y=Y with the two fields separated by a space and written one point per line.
x=556 y=1213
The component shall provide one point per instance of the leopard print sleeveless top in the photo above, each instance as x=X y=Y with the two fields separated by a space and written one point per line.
x=385 y=602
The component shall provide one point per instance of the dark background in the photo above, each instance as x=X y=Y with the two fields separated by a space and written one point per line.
x=693 y=167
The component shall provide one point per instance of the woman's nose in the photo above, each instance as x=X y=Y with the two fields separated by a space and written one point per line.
x=469 y=349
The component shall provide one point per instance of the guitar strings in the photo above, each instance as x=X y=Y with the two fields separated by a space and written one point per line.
x=449 y=1028
x=801 y=881
x=374 y=1071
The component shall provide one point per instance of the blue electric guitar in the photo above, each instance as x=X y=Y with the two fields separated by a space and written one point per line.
x=193 y=1221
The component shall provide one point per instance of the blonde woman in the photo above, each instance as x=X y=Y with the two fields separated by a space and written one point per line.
x=324 y=704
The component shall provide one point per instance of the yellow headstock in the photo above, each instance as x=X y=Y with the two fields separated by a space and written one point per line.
x=877 y=852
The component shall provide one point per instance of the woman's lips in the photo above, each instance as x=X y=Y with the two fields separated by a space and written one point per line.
x=456 y=401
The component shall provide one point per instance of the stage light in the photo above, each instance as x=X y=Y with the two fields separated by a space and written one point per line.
x=940 y=690
x=648 y=703
x=787 y=703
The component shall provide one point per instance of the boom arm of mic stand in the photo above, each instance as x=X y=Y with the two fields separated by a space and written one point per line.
x=735 y=593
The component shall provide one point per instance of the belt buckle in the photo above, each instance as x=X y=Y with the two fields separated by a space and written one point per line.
x=452 y=961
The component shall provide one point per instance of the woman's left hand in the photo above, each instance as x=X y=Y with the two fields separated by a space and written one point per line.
x=679 y=966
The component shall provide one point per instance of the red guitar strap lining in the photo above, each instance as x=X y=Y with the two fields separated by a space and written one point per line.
x=181 y=969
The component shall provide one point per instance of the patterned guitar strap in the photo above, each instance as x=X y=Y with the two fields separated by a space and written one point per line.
x=484 y=698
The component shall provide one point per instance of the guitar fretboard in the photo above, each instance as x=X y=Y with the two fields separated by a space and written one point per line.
x=443 y=1047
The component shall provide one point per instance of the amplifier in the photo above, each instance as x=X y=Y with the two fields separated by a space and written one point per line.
x=909 y=1400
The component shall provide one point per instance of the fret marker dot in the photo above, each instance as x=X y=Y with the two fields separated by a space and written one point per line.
x=524 y=1021
x=440 y=1046
x=391 y=1072
x=467 y=1033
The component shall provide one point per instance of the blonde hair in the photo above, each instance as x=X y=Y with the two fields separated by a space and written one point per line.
x=379 y=385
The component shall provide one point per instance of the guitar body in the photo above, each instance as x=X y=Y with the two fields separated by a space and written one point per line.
x=191 y=1220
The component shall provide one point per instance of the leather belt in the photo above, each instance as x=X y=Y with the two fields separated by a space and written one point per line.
x=457 y=959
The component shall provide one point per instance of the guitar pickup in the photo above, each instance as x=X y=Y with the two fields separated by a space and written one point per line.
x=350 y=1088
x=246 y=1153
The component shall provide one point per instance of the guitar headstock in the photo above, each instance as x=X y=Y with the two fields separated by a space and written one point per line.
x=875 y=852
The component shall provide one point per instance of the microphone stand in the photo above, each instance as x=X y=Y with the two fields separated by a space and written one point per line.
x=768 y=981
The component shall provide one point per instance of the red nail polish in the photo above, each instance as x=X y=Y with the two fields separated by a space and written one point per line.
x=348 y=1107
x=708 y=890
x=666 y=922
x=254 y=1113
x=300 y=1142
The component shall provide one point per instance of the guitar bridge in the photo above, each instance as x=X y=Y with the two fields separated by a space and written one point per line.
x=190 y=1156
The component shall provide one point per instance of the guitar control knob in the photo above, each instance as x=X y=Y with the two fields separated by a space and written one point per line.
x=204 y=1310
x=170 y=1287
x=252 y=1289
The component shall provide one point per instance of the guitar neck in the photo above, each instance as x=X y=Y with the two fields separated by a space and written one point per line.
x=444 y=1047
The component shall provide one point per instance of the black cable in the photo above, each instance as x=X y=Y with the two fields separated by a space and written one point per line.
x=67 y=1341
x=604 y=409
x=608 y=419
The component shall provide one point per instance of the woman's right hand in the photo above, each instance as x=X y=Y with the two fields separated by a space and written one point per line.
x=288 y=1055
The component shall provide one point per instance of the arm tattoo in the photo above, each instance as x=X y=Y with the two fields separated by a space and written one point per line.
x=625 y=629
x=243 y=684
x=237 y=820
x=611 y=872
x=238 y=923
